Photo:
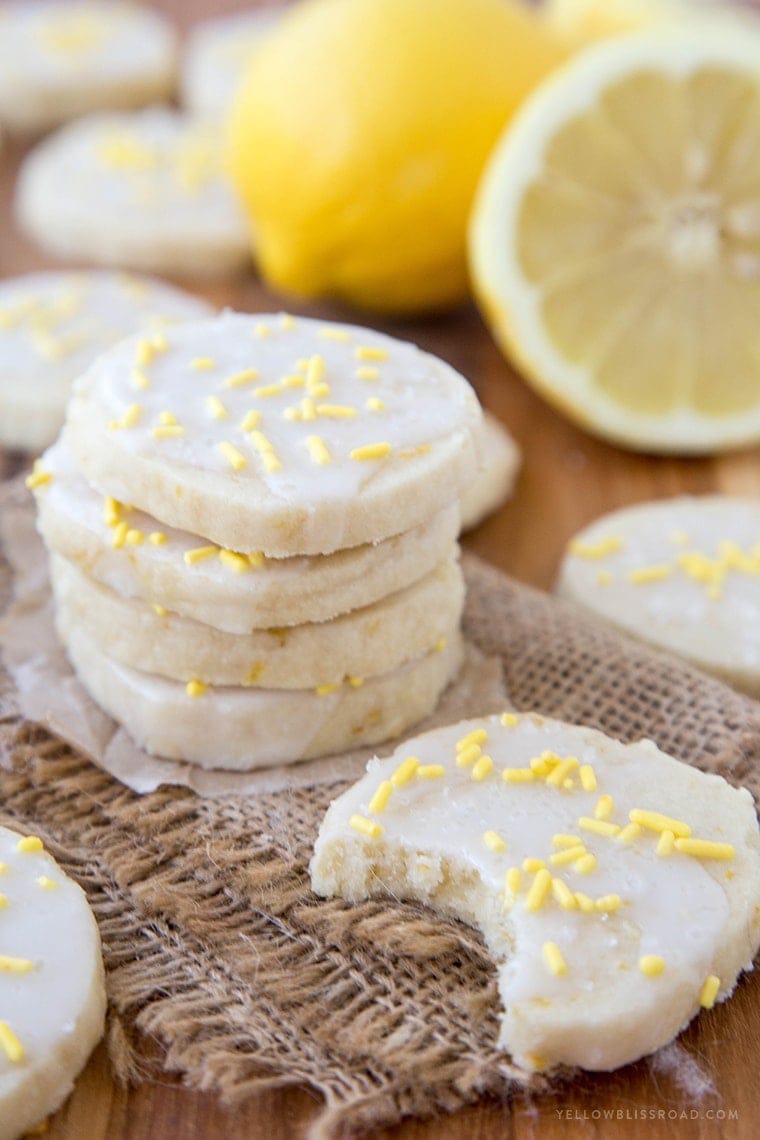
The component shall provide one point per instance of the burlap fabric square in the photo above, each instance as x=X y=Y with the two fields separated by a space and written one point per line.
x=217 y=950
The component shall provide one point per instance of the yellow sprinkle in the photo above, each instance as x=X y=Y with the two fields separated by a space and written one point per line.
x=405 y=772
x=330 y=333
x=539 y=890
x=600 y=549
x=531 y=864
x=373 y=404
x=160 y=610
x=30 y=843
x=256 y=559
x=119 y=536
x=129 y=419
x=440 y=645
x=168 y=419
x=656 y=822
x=569 y=855
x=431 y=771
x=586 y=864
x=561 y=840
x=509 y=719
x=553 y=959
x=315 y=371
x=10 y=1044
x=47 y=883
x=369 y=827
x=365 y=352
x=239 y=379
x=199 y=554
x=494 y=841
x=605 y=806
x=268 y=390
x=370 y=451
x=111 y=509
x=604 y=578
x=630 y=832
x=666 y=844
x=167 y=431
x=568 y=783
x=292 y=381
x=134 y=537
x=336 y=411
x=367 y=373
x=651 y=965
x=38 y=478
x=704 y=849
x=302 y=364
x=679 y=537
x=512 y=880
x=608 y=904
x=202 y=363
x=599 y=826
x=287 y=322
x=144 y=353
x=159 y=342
x=518 y=775
x=216 y=408
x=468 y=755
x=477 y=736
x=195 y=688
x=646 y=574
x=235 y=458
x=157 y=538
x=251 y=420
x=379 y=801
x=482 y=768
x=3 y=902
x=563 y=769
x=324 y=690
x=709 y=991
x=585 y=904
x=261 y=330
x=10 y=965
x=270 y=461
x=563 y=895
x=318 y=450
x=234 y=561
x=588 y=778
x=355 y=682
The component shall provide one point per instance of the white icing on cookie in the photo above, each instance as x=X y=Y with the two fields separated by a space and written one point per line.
x=682 y=574
x=52 y=999
x=217 y=54
x=604 y=941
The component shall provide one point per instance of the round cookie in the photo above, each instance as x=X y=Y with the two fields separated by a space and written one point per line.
x=216 y=55
x=243 y=729
x=144 y=190
x=363 y=643
x=682 y=574
x=282 y=435
x=617 y=889
x=59 y=60
x=52 y=994
x=185 y=576
x=499 y=464
x=53 y=326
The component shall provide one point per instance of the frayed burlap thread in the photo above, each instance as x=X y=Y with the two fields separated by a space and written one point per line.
x=216 y=949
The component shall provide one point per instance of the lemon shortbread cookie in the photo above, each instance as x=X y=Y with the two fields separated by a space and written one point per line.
x=52 y=996
x=363 y=643
x=216 y=56
x=499 y=464
x=52 y=327
x=276 y=434
x=132 y=554
x=245 y=728
x=58 y=60
x=682 y=574
x=145 y=190
x=618 y=889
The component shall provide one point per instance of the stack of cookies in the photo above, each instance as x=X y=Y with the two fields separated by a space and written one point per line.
x=252 y=524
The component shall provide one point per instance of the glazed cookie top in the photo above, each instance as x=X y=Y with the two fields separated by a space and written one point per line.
x=156 y=164
x=609 y=878
x=683 y=573
x=53 y=325
x=277 y=434
x=48 y=47
x=216 y=56
x=50 y=963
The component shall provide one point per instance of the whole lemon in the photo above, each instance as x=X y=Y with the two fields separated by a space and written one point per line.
x=359 y=135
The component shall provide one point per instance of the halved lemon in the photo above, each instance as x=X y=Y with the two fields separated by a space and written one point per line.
x=615 y=241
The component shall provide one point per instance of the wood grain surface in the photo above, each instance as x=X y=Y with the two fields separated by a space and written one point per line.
x=707 y=1089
